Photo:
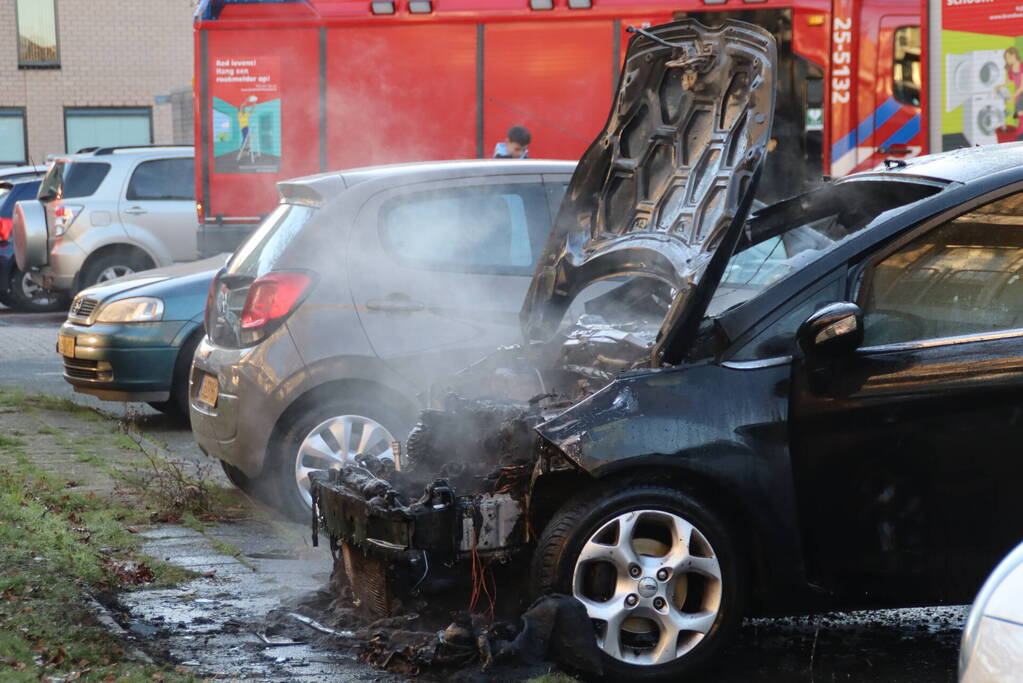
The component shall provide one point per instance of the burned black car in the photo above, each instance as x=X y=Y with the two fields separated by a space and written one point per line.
x=805 y=408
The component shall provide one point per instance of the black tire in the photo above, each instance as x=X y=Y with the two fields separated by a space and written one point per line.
x=565 y=535
x=242 y=481
x=279 y=474
x=130 y=261
x=22 y=297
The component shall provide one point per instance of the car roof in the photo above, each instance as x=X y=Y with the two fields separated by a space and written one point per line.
x=19 y=172
x=99 y=152
x=960 y=165
x=8 y=183
x=317 y=188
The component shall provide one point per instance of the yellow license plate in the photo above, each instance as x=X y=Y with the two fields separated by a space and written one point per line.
x=209 y=389
x=66 y=345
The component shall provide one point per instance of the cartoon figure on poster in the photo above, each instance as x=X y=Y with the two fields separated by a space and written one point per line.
x=246 y=115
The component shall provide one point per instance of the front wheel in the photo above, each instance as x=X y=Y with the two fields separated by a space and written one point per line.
x=657 y=572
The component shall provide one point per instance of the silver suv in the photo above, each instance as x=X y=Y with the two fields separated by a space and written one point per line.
x=107 y=213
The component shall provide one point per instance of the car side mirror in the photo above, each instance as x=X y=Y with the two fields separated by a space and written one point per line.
x=835 y=330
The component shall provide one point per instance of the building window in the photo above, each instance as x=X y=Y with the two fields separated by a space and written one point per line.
x=85 y=128
x=37 y=33
x=13 y=149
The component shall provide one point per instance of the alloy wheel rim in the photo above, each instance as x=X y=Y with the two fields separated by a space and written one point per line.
x=114 y=272
x=651 y=583
x=337 y=441
x=33 y=292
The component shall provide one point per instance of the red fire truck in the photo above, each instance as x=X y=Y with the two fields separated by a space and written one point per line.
x=292 y=87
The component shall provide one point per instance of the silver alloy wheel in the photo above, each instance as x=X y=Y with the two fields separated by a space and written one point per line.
x=33 y=292
x=339 y=441
x=651 y=582
x=114 y=272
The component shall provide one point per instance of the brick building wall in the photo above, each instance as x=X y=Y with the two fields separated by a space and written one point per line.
x=112 y=54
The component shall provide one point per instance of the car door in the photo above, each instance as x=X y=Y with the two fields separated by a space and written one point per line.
x=439 y=270
x=906 y=453
x=159 y=200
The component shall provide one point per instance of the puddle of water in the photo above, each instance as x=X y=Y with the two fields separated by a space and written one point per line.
x=214 y=625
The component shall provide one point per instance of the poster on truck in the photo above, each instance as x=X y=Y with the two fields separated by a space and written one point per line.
x=246 y=117
x=975 y=51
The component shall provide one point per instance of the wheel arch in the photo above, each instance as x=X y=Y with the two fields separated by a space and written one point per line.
x=113 y=248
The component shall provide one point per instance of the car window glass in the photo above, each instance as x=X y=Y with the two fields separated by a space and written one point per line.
x=963 y=277
x=163 y=179
x=9 y=197
x=779 y=337
x=67 y=180
x=260 y=252
x=491 y=228
x=787 y=236
x=555 y=193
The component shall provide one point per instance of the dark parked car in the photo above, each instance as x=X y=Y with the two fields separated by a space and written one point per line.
x=132 y=339
x=816 y=406
x=16 y=288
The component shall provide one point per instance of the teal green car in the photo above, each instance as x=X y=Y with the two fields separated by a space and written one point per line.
x=132 y=339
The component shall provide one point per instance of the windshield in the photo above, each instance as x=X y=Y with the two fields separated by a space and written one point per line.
x=69 y=179
x=787 y=236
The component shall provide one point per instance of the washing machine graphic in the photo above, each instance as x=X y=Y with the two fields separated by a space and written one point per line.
x=973 y=73
x=982 y=116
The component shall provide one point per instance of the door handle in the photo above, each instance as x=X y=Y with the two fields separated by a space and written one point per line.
x=136 y=211
x=894 y=151
x=395 y=305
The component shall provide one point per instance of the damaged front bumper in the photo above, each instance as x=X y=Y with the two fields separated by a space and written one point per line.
x=443 y=523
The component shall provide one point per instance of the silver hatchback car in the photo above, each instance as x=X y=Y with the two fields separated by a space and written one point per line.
x=361 y=289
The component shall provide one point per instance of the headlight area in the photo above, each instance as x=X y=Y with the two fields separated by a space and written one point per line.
x=139 y=309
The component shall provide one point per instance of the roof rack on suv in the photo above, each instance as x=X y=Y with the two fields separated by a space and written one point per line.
x=99 y=151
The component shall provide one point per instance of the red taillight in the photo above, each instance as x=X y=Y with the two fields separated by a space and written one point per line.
x=272 y=296
x=6 y=224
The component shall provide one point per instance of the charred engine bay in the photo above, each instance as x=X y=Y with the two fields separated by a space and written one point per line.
x=445 y=526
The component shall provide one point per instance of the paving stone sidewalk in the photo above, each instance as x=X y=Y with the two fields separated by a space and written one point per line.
x=244 y=568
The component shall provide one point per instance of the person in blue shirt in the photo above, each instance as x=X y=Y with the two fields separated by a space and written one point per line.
x=516 y=146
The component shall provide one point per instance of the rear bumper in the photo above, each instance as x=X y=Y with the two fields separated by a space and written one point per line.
x=129 y=362
x=7 y=263
x=66 y=259
x=251 y=397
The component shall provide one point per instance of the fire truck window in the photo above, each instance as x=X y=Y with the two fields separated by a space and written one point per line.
x=906 y=77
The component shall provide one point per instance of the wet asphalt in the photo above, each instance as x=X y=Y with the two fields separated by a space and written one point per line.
x=214 y=624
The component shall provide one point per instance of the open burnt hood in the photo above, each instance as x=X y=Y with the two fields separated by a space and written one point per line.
x=664 y=190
